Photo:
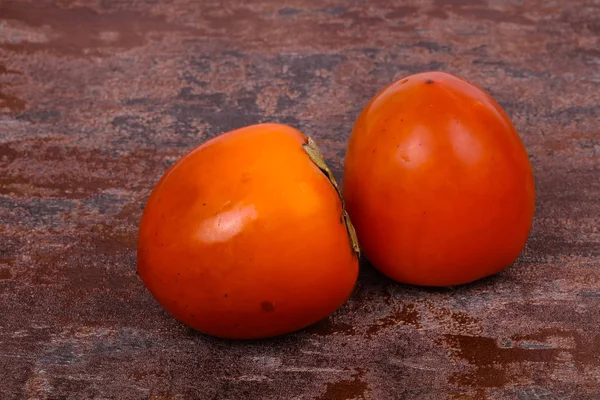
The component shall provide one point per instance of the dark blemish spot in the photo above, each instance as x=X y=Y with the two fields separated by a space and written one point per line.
x=397 y=145
x=267 y=306
x=193 y=316
x=404 y=81
x=203 y=204
x=373 y=150
x=178 y=274
x=236 y=325
x=186 y=306
x=424 y=212
x=225 y=295
x=429 y=81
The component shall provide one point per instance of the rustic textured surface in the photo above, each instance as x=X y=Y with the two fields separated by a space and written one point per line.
x=98 y=97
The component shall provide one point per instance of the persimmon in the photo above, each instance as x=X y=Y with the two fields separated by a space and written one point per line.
x=246 y=236
x=438 y=182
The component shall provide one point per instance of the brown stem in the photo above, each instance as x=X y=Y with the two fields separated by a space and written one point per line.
x=313 y=152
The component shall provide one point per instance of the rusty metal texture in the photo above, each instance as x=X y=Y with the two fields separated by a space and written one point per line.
x=99 y=97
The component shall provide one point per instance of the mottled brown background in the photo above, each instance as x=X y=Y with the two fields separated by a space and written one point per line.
x=99 y=97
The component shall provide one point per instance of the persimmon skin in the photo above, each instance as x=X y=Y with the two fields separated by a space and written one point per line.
x=243 y=238
x=437 y=182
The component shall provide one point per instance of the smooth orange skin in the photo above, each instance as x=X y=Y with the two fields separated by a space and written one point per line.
x=437 y=182
x=243 y=238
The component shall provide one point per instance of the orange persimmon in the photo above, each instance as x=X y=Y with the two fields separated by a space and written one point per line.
x=437 y=182
x=246 y=236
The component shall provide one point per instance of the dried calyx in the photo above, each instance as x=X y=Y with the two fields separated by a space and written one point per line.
x=313 y=152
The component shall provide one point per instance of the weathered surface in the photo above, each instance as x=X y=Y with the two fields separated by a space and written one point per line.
x=98 y=97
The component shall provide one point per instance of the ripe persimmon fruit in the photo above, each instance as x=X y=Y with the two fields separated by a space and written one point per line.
x=246 y=236
x=437 y=182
